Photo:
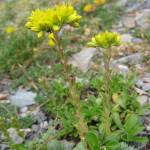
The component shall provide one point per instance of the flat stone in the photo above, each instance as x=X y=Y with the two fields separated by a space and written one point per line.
x=22 y=98
x=137 y=40
x=131 y=59
x=83 y=59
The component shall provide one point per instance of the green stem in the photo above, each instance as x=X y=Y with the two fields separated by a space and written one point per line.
x=73 y=93
x=107 y=89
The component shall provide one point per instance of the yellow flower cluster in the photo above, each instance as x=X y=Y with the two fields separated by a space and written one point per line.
x=52 y=20
x=99 y=2
x=105 y=40
x=92 y=6
x=88 y=8
x=9 y=29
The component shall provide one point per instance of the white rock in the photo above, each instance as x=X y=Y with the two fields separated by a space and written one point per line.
x=83 y=58
x=24 y=109
x=23 y=98
x=126 y=38
x=44 y=125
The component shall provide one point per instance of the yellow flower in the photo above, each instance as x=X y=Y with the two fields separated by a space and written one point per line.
x=99 y=2
x=52 y=19
x=66 y=14
x=88 y=8
x=105 y=40
x=10 y=29
x=42 y=20
x=52 y=41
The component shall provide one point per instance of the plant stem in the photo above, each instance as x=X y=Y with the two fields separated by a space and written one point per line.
x=107 y=94
x=74 y=97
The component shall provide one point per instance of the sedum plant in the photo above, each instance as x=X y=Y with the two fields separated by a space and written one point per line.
x=106 y=41
x=51 y=21
x=120 y=113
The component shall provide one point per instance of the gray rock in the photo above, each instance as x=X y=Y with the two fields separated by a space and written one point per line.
x=35 y=128
x=14 y=136
x=133 y=7
x=22 y=98
x=3 y=147
x=137 y=40
x=131 y=59
x=146 y=87
x=39 y=116
x=129 y=22
x=82 y=59
x=139 y=83
x=146 y=79
x=143 y=99
x=143 y=19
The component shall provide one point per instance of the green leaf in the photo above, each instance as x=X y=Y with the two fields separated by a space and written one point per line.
x=56 y=145
x=116 y=118
x=137 y=139
x=124 y=146
x=132 y=128
x=20 y=147
x=131 y=122
x=93 y=140
x=81 y=146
